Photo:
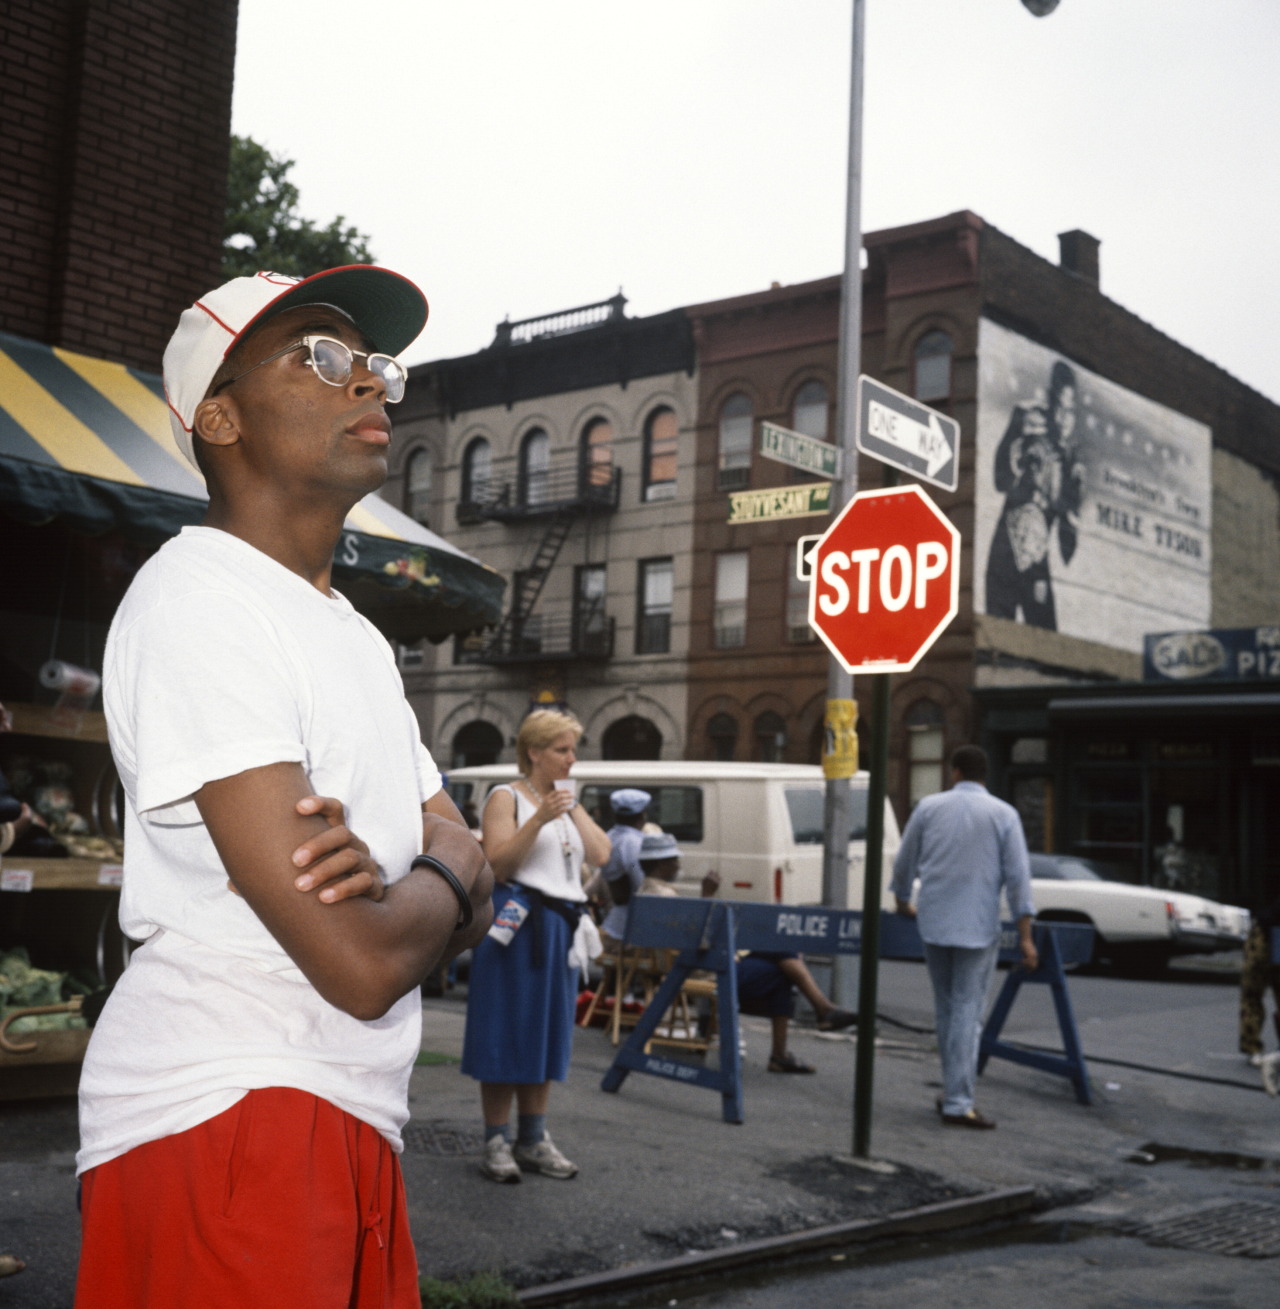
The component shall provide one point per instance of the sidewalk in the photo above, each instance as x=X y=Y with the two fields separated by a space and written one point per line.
x=662 y=1174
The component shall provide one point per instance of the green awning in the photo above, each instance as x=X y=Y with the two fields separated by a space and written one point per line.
x=88 y=442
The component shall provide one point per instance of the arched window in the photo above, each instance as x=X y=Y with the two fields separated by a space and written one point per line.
x=735 y=443
x=771 y=737
x=475 y=743
x=931 y=379
x=722 y=735
x=926 y=750
x=477 y=470
x=811 y=412
x=417 y=487
x=597 y=453
x=535 y=467
x=632 y=737
x=661 y=447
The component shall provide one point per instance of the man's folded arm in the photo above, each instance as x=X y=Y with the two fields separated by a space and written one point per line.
x=361 y=955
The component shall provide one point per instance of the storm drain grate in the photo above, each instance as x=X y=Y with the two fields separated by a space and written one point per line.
x=441 y=1138
x=1249 y=1228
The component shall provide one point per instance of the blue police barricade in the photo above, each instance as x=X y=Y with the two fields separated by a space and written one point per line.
x=1059 y=944
x=708 y=933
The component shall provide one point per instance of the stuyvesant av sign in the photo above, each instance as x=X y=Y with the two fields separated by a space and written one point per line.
x=766 y=506
x=1222 y=654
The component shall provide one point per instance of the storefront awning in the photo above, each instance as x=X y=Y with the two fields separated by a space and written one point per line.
x=1226 y=705
x=87 y=442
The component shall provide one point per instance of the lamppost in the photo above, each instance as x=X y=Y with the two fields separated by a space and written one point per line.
x=841 y=714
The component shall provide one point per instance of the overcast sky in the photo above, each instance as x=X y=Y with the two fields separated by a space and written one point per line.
x=523 y=156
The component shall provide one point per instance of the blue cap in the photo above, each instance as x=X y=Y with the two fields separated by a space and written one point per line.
x=630 y=800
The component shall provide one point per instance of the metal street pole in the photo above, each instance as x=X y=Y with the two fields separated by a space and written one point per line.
x=840 y=739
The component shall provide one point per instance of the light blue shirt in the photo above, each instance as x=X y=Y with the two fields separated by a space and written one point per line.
x=966 y=847
x=624 y=861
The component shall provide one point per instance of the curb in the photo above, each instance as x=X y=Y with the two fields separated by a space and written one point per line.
x=941 y=1217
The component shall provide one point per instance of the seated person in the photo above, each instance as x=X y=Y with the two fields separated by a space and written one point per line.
x=766 y=982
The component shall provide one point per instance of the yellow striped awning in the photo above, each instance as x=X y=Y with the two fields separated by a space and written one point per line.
x=88 y=441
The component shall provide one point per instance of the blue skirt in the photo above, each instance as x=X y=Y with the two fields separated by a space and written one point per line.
x=520 y=1015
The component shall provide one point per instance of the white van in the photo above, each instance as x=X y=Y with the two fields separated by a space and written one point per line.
x=758 y=825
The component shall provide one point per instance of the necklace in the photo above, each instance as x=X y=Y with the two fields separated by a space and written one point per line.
x=562 y=828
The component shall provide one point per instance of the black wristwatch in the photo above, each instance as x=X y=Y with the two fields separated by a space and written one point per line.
x=465 y=911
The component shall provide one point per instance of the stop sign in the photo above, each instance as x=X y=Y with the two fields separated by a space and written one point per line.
x=886 y=580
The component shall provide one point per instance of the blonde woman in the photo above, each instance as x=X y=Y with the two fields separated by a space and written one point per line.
x=522 y=991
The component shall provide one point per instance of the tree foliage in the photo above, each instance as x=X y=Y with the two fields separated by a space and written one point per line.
x=263 y=229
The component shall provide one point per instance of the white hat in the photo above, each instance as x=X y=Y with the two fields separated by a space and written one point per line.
x=658 y=845
x=387 y=308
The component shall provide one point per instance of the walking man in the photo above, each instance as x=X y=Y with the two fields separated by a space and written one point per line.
x=964 y=847
x=244 y=1091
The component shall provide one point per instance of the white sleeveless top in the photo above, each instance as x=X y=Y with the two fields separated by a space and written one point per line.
x=554 y=862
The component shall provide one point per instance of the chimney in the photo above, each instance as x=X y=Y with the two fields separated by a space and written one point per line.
x=1078 y=254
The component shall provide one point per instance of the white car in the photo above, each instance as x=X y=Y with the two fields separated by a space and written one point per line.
x=1135 y=924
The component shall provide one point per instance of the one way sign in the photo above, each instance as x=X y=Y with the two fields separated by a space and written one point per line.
x=901 y=431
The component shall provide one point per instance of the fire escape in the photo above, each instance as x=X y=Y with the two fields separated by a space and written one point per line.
x=556 y=497
x=554 y=493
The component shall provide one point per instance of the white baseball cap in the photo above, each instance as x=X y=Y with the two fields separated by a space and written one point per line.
x=389 y=309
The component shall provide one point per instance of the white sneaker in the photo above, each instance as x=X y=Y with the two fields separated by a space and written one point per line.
x=544 y=1158
x=1255 y=1060
x=498 y=1162
x=1271 y=1073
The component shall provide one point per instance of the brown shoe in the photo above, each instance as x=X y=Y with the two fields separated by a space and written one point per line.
x=972 y=1119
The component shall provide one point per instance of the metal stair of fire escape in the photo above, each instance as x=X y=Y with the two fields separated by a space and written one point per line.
x=531 y=579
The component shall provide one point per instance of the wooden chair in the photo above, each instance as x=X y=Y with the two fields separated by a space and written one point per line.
x=640 y=971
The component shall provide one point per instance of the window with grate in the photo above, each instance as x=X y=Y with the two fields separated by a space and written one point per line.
x=736 y=422
x=661 y=448
x=730 y=618
x=926 y=750
x=535 y=467
x=770 y=731
x=597 y=453
x=931 y=380
x=417 y=487
x=590 y=630
x=798 y=630
x=477 y=471
x=653 y=604
x=722 y=736
x=810 y=415
x=410 y=657
x=811 y=411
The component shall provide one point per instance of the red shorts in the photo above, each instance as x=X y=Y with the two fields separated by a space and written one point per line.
x=281 y=1202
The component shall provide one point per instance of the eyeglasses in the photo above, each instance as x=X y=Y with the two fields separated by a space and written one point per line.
x=333 y=362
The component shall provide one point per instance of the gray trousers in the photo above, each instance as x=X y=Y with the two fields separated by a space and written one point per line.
x=960 y=978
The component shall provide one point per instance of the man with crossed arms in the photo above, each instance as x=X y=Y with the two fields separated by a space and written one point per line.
x=245 y=1087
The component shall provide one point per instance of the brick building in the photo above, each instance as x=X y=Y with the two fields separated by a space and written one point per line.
x=1112 y=484
x=563 y=456
x=117 y=121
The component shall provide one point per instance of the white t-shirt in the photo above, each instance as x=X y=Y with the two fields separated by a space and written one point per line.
x=220 y=660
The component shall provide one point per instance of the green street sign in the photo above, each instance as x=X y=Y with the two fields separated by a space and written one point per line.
x=777 y=502
x=799 y=451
